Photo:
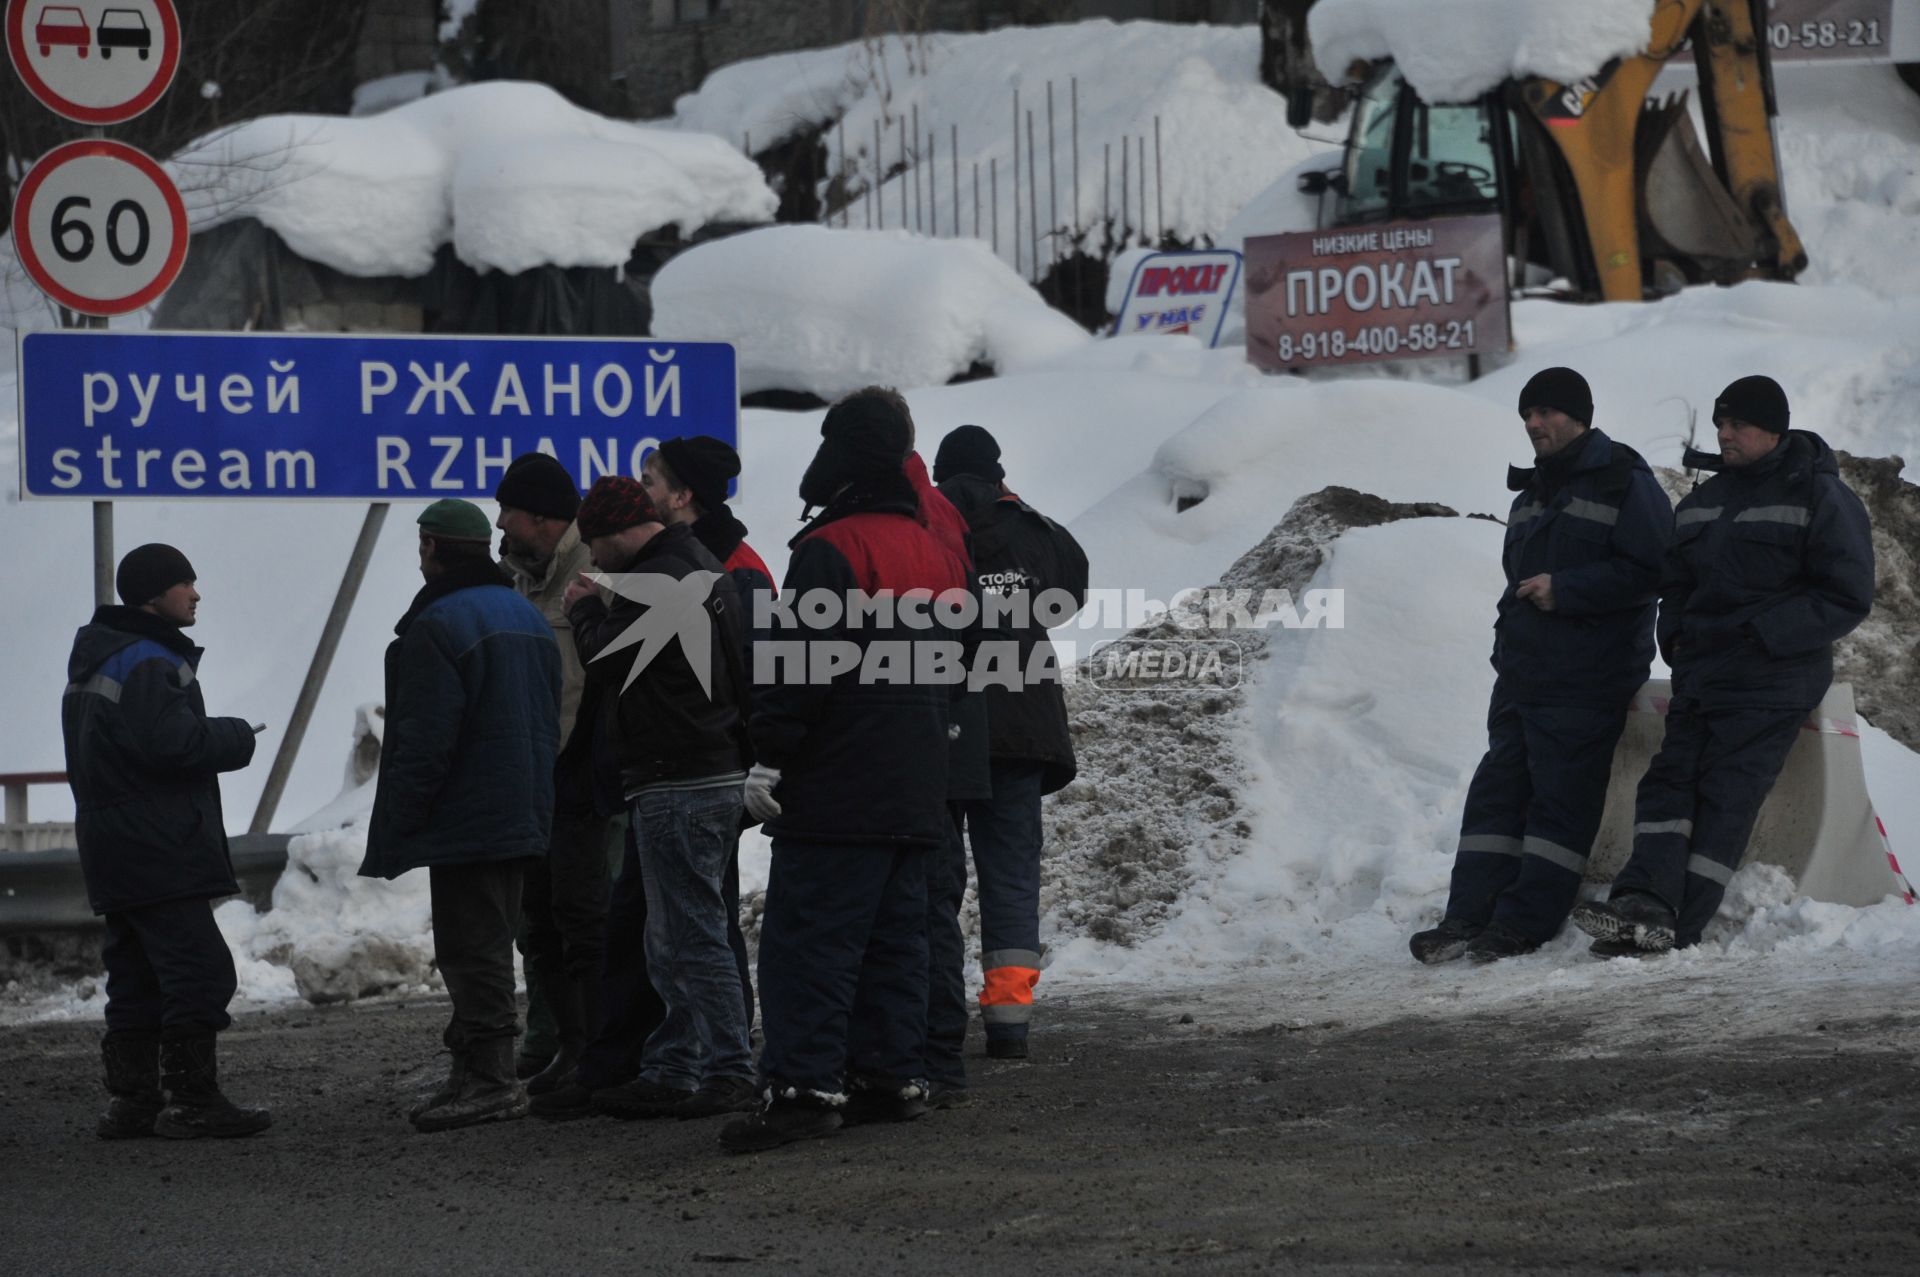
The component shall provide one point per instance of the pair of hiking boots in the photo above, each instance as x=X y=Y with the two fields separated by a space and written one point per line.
x=169 y=1088
x=480 y=1087
x=1631 y=925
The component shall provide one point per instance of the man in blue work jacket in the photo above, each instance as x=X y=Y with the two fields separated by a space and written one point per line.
x=1574 y=640
x=1772 y=562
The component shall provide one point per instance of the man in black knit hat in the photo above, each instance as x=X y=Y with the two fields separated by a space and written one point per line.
x=1772 y=563
x=687 y=478
x=1018 y=554
x=144 y=761
x=851 y=782
x=563 y=927
x=1573 y=642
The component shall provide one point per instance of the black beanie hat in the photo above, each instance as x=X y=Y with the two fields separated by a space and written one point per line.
x=539 y=485
x=704 y=464
x=1756 y=400
x=864 y=436
x=1560 y=388
x=150 y=571
x=968 y=450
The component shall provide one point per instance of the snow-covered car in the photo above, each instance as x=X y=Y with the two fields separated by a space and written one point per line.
x=124 y=29
x=62 y=24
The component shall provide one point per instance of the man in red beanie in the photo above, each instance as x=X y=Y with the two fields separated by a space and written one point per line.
x=144 y=761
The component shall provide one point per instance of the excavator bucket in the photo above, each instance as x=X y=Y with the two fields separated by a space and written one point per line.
x=1686 y=214
x=1818 y=824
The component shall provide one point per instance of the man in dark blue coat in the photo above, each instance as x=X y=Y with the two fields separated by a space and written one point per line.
x=851 y=782
x=144 y=761
x=1574 y=640
x=466 y=791
x=1772 y=563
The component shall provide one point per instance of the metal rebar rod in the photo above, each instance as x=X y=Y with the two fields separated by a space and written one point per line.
x=846 y=205
x=918 y=222
x=1159 y=185
x=953 y=148
x=1033 y=200
x=933 y=190
x=1143 y=190
x=1126 y=193
x=976 y=199
x=879 y=179
x=993 y=198
x=1053 y=181
x=1073 y=113
x=1016 y=181
x=1106 y=193
x=903 y=173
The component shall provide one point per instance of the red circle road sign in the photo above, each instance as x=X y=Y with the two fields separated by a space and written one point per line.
x=100 y=227
x=95 y=61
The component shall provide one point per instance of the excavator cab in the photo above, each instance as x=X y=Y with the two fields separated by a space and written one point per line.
x=1602 y=187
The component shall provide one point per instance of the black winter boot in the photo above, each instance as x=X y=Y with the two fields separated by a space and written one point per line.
x=1443 y=943
x=1633 y=917
x=190 y=1072
x=783 y=1119
x=1496 y=942
x=870 y=1100
x=456 y=1078
x=488 y=1093
x=566 y=1001
x=132 y=1061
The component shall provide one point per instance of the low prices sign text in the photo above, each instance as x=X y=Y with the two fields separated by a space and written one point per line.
x=1399 y=290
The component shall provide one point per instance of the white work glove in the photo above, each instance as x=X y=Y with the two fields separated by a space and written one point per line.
x=761 y=804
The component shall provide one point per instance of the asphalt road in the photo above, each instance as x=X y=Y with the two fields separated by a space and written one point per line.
x=1519 y=1142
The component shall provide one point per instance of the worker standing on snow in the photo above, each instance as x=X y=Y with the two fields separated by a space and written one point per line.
x=851 y=783
x=144 y=761
x=466 y=791
x=1772 y=563
x=1020 y=558
x=1574 y=640
x=563 y=933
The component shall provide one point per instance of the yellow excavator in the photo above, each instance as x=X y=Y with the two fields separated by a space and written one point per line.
x=1600 y=186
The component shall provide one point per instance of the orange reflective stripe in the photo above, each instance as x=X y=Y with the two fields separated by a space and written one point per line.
x=1010 y=986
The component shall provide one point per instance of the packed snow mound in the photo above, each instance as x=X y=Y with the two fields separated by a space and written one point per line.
x=1460 y=53
x=1186 y=98
x=1351 y=755
x=827 y=311
x=512 y=175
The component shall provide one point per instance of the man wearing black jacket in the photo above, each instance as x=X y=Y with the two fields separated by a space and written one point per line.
x=144 y=762
x=851 y=780
x=687 y=478
x=664 y=665
x=1033 y=566
x=1772 y=563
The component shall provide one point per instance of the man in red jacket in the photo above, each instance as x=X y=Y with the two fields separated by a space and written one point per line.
x=851 y=783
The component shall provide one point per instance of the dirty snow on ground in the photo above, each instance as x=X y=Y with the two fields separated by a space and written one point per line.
x=828 y=311
x=512 y=175
x=1457 y=51
x=1352 y=747
x=1222 y=135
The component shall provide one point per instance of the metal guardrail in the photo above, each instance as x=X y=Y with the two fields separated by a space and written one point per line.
x=44 y=890
x=20 y=833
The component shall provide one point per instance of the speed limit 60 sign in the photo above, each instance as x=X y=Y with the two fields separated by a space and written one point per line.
x=100 y=227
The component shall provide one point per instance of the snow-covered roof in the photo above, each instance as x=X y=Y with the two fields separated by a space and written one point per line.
x=828 y=311
x=512 y=175
x=1453 y=50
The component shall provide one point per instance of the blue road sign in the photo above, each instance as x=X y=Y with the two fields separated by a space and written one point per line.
x=363 y=417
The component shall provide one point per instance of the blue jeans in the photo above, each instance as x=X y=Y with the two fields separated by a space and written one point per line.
x=1005 y=833
x=685 y=839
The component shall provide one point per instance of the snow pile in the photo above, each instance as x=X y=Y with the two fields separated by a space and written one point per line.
x=1356 y=752
x=1475 y=44
x=1222 y=136
x=512 y=175
x=828 y=311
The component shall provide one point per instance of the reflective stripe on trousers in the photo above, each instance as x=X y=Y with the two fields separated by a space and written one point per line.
x=1011 y=975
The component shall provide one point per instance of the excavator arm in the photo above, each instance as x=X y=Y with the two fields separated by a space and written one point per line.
x=1644 y=194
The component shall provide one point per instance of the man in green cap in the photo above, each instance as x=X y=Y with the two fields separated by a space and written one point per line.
x=466 y=791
